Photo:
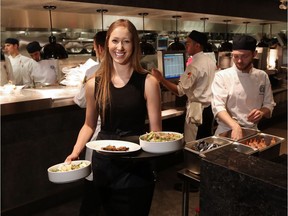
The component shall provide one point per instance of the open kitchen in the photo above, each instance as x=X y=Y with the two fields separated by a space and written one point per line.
x=40 y=122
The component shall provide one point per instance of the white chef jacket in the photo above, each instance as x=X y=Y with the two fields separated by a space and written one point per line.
x=238 y=93
x=22 y=69
x=195 y=83
x=47 y=72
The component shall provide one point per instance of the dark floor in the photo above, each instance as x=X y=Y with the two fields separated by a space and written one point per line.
x=167 y=201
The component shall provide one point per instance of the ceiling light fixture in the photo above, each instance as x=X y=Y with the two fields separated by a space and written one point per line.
x=209 y=47
x=246 y=25
x=146 y=48
x=102 y=11
x=226 y=46
x=176 y=45
x=53 y=49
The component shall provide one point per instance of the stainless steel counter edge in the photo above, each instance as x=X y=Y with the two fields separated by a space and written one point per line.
x=28 y=100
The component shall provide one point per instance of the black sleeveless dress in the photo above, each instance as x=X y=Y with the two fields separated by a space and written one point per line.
x=124 y=120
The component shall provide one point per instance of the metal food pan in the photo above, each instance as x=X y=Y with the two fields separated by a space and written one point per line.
x=242 y=148
x=192 y=146
x=271 y=150
x=247 y=132
x=192 y=156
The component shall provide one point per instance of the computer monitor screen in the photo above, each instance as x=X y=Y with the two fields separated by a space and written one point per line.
x=162 y=43
x=172 y=63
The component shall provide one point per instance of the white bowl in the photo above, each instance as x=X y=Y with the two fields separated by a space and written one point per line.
x=162 y=146
x=70 y=175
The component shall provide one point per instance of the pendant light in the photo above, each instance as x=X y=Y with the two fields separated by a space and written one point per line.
x=262 y=50
x=226 y=46
x=53 y=49
x=246 y=25
x=209 y=46
x=176 y=45
x=146 y=48
x=264 y=42
x=102 y=11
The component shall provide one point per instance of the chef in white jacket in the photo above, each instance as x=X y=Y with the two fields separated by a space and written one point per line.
x=48 y=70
x=241 y=94
x=22 y=66
x=195 y=83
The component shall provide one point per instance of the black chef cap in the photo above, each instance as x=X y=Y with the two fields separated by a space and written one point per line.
x=244 y=42
x=33 y=46
x=12 y=41
x=198 y=37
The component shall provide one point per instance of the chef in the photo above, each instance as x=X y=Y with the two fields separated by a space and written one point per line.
x=47 y=72
x=241 y=94
x=22 y=66
x=195 y=83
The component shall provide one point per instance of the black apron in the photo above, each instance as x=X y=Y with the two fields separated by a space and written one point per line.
x=120 y=174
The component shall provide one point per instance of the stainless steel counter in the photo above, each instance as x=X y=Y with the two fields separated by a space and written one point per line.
x=27 y=100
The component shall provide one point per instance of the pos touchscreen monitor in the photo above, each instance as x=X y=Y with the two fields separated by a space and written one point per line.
x=172 y=64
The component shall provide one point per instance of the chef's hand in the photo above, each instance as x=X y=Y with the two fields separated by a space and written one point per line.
x=236 y=133
x=255 y=116
x=71 y=157
x=157 y=74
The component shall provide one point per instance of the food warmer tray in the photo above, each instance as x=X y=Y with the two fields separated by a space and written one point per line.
x=271 y=150
x=247 y=132
x=193 y=156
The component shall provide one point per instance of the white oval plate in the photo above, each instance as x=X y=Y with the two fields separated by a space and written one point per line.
x=99 y=144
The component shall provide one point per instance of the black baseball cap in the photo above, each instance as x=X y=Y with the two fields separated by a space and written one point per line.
x=199 y=37
x=33 y=46
x=244 y=42
x=12 y=41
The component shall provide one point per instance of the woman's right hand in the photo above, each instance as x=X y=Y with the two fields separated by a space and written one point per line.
x=71 y=157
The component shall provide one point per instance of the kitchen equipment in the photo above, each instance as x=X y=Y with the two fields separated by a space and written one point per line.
x=242 y=148
x=162 y=146
x=269 y=145
x=247 y=132
x=74 y=47
x=57 y=173
x=193 y=152
x=225 y=59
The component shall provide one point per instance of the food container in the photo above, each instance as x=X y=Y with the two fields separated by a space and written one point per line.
x=56 y=174
x=247 y=132
x=242 y=148
x=169 y=142
x=268 y=146
x=193 y=155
